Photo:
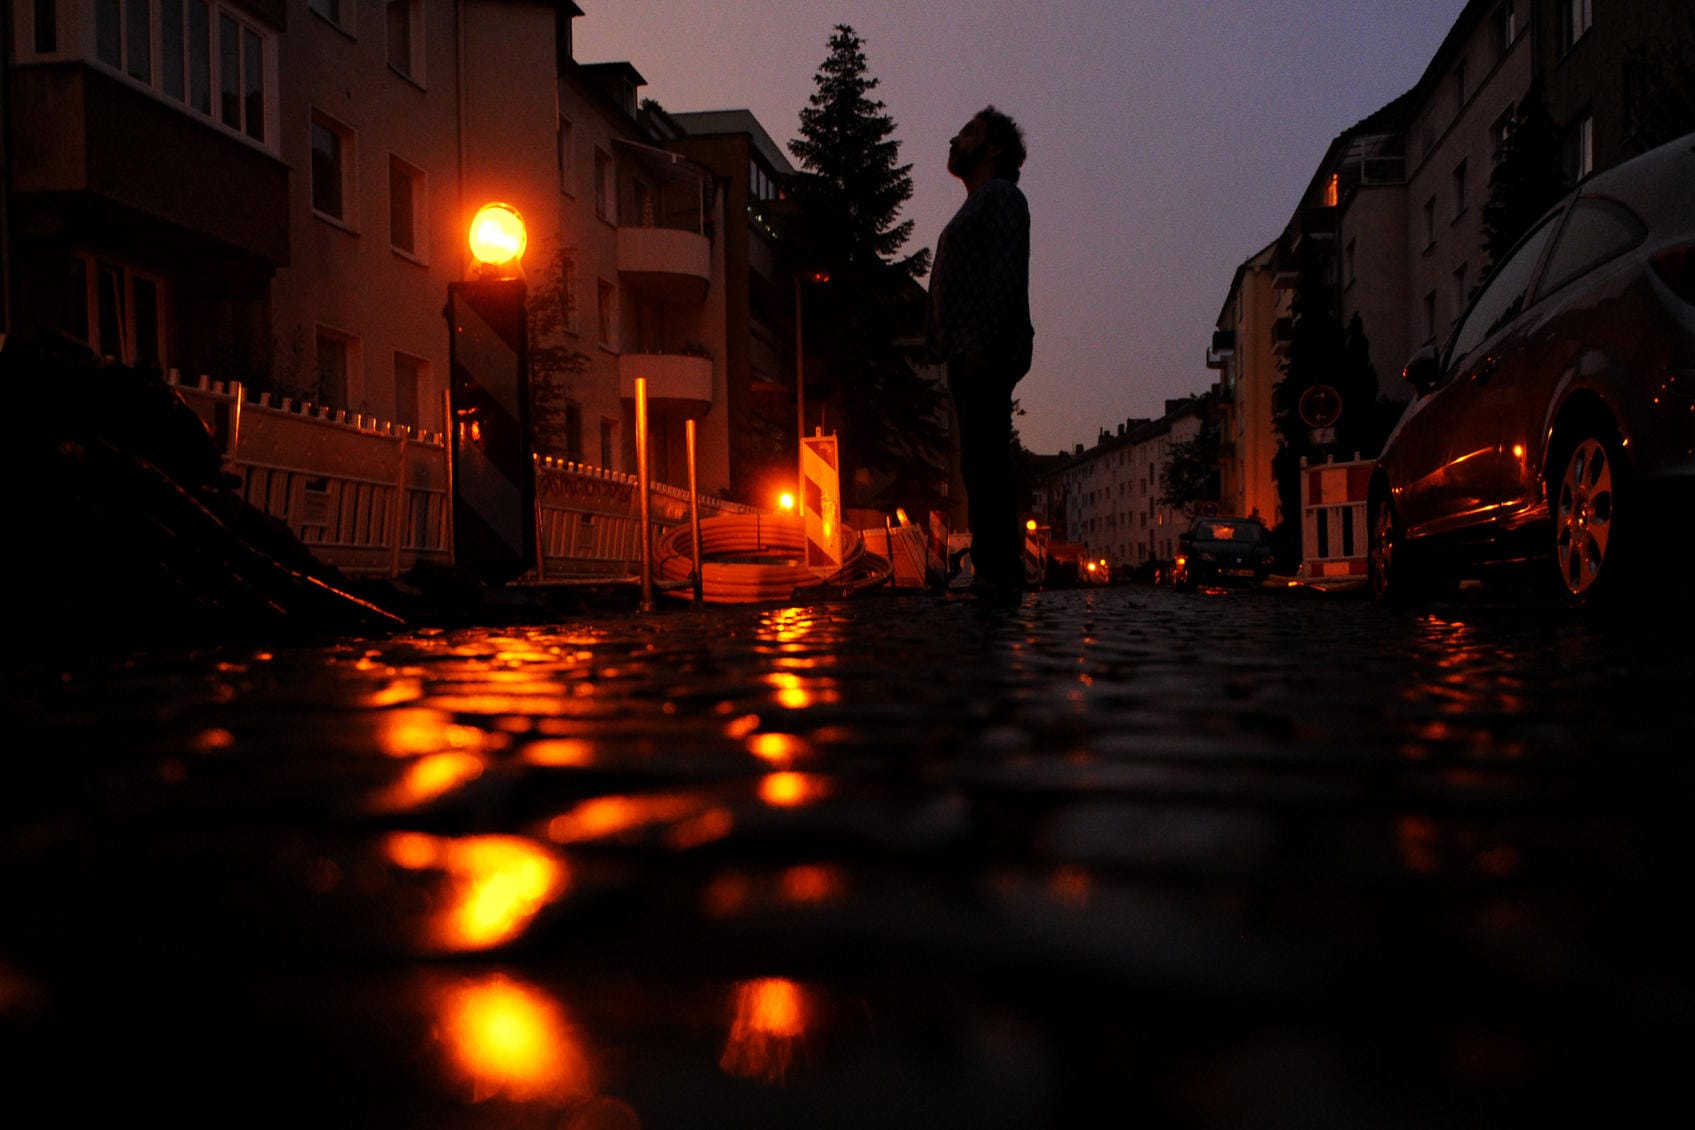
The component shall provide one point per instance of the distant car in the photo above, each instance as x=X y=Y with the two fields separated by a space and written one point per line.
x=1558 y=422
x=1221 y=551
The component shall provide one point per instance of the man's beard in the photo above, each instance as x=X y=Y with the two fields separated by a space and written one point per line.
x=964 y=162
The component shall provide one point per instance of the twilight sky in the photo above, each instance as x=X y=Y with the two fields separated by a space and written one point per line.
x=1169 y=141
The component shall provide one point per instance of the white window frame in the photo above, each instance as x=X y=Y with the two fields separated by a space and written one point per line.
x=345 y=14
x=124 y=349
x=420 y=369
x=1576 y=18
x=606 y=314
x=351 y=360
x=419 y=201
x=413 y=72
x=252 y=38
x=349 y=150
x=605 y=190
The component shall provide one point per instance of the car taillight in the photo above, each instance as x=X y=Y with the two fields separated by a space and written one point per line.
x=1676 y=266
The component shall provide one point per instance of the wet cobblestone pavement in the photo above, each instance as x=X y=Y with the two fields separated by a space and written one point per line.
x=1112 y=857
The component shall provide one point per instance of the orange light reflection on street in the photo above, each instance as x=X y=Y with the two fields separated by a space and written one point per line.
x=611 y=816
x=777 y=748
x=395 y=693
x=496 y=884
x=789 y=789
x=410 y=731
x=431 y=776
x=563 y=753
x=513 y=1041
x=812 y=883
x=769 y=1019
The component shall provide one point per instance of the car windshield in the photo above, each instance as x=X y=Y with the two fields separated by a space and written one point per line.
x=1226 y=531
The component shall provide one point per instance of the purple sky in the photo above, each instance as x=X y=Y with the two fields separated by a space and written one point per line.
x=1169 y=141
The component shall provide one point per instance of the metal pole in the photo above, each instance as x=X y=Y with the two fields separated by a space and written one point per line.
x=397 y=520
x=800 y=399
x=642 y=484
x=237 y=395
x=541 y=540
x=694 y=514
x=449 y=446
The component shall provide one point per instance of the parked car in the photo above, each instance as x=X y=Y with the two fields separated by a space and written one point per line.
x=1220 y=551
x=1557 y=424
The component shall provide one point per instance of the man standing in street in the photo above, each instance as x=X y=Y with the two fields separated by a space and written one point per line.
x=980 y=327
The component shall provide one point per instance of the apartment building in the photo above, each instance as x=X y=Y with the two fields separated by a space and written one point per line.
x=278 y=191
x=1392 y=219
x=1108 y=496
x=1246 y=364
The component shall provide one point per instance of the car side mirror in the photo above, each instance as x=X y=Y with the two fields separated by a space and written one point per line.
x=1423 y=369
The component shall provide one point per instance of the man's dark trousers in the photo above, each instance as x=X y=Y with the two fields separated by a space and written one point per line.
x=982 y=398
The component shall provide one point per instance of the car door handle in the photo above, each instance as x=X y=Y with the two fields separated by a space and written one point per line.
x=1485 y=370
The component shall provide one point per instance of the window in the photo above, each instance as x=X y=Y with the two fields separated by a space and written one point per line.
x=1429 y=212
x=1575 y=18
x=607 y=310
x=608 y=442
x=603 y=184
x=338 y=12
x=565 y=155
x=571 y=296
x=1503 y=296
x=1579 y=148
x=335 y=364
x=411 y=383
x=405 y=208
x=406 y=38
x=332 y=169
x=1597 y=231
x=1506 y=28
x=191 y=60
x=119 y=311
x=1459 y=291
x=573 y=431
x=46 y=29
x=1459 y=189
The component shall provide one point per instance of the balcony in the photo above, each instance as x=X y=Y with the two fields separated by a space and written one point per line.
x=1282 y=336
x=92 y=151
x=667 y=264
x=676 y=382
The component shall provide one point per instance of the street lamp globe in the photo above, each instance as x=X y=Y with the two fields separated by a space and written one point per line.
x=498 y=239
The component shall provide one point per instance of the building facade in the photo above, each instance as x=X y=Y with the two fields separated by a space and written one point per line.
x=278 y=192
x=1107 y=497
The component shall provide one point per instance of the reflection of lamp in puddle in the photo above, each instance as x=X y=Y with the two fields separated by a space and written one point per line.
x=789 y=789
x=428 y=778
x=770 y=1018
x=512 y=1040
x=496 y=883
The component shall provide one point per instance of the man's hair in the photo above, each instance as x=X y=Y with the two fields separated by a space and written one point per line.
x=1001 y=130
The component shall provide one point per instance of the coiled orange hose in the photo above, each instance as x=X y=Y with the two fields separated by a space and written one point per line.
x=761 y=557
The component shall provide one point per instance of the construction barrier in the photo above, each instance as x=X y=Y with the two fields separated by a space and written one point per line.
x=821 y=503
x=370 y=497
x=1333 y=520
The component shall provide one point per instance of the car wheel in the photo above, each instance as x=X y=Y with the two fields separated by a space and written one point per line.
x=1587 y=488
x=1386 y=556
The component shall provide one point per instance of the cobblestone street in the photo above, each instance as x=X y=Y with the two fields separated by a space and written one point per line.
x=1113 y=857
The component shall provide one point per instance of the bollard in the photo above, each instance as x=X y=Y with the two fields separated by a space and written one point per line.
x=642 y=485
x=694 y=513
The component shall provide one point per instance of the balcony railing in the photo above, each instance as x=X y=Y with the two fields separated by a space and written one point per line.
x=680 y=378
x=669 y=264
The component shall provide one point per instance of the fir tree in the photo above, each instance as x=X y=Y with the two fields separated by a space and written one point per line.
x=855 y=185
x=892 y=420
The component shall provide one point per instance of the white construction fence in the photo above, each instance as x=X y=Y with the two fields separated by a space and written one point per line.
x=370 y=497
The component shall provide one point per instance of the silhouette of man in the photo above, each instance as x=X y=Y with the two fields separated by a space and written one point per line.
x=980 y=327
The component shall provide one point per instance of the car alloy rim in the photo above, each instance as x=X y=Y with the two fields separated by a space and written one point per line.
x=1584 y=519
x=1382 y=549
